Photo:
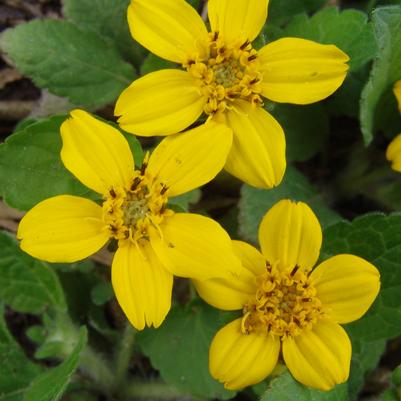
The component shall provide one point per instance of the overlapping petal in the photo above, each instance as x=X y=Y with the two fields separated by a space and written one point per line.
x=63 y=229
x=301 y=71
x=238 y=20
x=195 y=246
x=257 y=156
x=234 y=292
x=186 y=161
x=290 y=235
x=95 y=152
x=240 y=360
x=347 y=285
x=393 y=153
x=319 y=358
x=160 y=103
x=143 y=287
x=172 y=29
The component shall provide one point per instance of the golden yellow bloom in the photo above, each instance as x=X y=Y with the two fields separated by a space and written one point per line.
x=225 y=78
x=153 y=241
x=287 y=306
x=394 y=149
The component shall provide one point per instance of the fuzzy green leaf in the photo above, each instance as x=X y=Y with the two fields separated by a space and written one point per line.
x=68 y=61
x=26 y=284
x=386 y=69
x=179 y=349
x=282 y=10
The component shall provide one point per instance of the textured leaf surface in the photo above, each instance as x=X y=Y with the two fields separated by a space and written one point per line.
x=68 y=61
x=26 y=284
x=255 y=202
x=377 y=238
x=179 y=349
x=386 y=69
x=50 y=386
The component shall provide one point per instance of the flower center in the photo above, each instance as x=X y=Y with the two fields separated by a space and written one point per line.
x=285 y=303
x=230 y=73
x=128 y=213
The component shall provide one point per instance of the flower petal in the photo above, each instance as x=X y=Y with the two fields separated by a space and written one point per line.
x=186 y=161
x=290 y=235
x=160 y=103
x=172 y=29
x=96 y=153
x=234 y=292
x=238 y=20
x=393 y=153
x=347 y=285
x=142 y=285
x=301 y=71
x=195 y=246
x=319 y=358
x=257 y=155
x=397 y=93
x=63 y=229
x=239 y=360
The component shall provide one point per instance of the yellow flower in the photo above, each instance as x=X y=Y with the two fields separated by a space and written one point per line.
x=287 y=306
x=153 y=242
x=394 y=149
x=225 y=78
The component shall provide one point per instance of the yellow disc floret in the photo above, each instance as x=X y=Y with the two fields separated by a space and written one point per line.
x=128 y=213
x=285 y=303
x=230 y=73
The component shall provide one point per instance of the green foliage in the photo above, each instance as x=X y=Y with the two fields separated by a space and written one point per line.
x=386 y=69
x=255 y=202
x=285 y=388
x=102 y=293
x=31 y=169
x=50 y=385
x=182 y=357
x=26 y=284
x=376 y=238
x=68 y=61
x=107 y=18
x=154 y=63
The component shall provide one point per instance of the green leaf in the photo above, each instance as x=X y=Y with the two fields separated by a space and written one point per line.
x=306 y=129
x=179 y=349
x=16 y=370
x=108 y=18
x=285 y=388
x=31 y=169
x=182 y=202
x=396 y=376
x=102 y=293
x=154 y=63
x=386 y=68
x=50 y=386
x=255 y=202
x=376 y=238
x=26 y=284
x=281 y=11
x=70 y=62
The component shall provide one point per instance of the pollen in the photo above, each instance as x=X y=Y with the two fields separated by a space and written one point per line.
x=229 y=73
x=129 y=213
x=284 y=305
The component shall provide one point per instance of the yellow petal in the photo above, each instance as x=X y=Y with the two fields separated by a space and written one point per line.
x=237 y=20
x=319 y=358
x=234 y=292
x=63 y=229
x=239 y=360
x=186 y=161
x=257 y=155
x=290 y=235
x=393 y=153
x=96 y=153
x=347 y=285
x=301 y=71
x=397 y=93
x=172 y=29
x=142 y=285
x=160 y=103
x=195 y=246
